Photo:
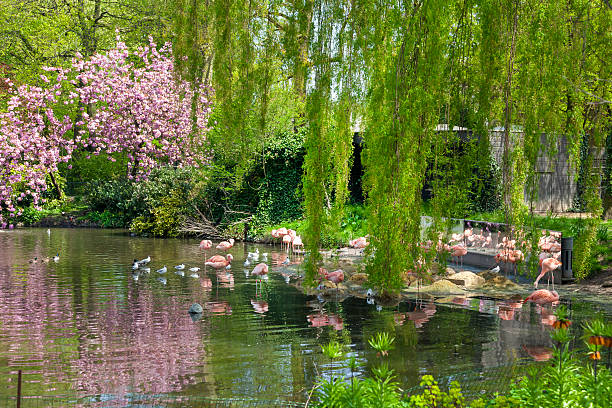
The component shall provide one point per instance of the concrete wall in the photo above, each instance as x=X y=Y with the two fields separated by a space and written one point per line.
x=557 y=185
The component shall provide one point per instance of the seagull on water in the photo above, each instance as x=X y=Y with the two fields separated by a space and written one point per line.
x=162 y=270
x=194 y=269
x=179 y=267
x=145 y=261
x=135 y=265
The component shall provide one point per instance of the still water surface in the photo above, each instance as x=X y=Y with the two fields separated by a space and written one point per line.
x=84 y=326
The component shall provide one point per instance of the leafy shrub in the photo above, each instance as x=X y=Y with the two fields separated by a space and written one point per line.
x=106 y=219
x=164 y=220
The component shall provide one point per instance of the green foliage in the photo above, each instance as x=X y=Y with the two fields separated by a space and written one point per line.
x=155 y=206
x=332 y=350
x=381 y=342
x=164 y=220
x=432 y=396
x=106 y=219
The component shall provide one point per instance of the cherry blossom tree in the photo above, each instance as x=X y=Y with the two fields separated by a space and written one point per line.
x=32 y=143
x=117 y=102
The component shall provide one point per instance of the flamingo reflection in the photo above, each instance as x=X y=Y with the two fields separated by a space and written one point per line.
x=538 y=353
x=323 y=319
x=222 y=308
x=259 y=306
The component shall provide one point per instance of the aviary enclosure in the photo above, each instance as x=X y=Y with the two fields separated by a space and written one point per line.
x=225 y=119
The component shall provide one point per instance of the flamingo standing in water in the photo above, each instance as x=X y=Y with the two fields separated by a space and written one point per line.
x=543 y=296
x=286 y=241
x=219 y=262
x=297 y=242
x=548 y=265
x=205 y=245
x=260 y=270
x=226 y=245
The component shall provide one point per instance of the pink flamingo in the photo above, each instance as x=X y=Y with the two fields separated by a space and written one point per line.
x=218 y=261
x=336 y=276
x=359 y=243
x=260 y=270
x=297 y=242
x=286 y=241
x=548 y=265
x=205 y=245
x=542 y=296
x=226 y=245
x=459 y=251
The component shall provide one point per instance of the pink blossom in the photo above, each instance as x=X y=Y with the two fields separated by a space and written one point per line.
x=140 y=109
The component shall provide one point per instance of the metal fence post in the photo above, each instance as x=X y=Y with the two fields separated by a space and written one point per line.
x=567 y=246
x=19 y=389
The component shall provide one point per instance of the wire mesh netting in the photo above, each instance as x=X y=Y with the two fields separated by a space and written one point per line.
x=488 y=382
x=473 y=384
x=142 y=401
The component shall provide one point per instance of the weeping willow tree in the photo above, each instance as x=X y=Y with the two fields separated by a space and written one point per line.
x=405 y=67
x=540 y=70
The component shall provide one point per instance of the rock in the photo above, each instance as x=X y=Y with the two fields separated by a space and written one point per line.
x=450 y=271
x=358 y=278
x=443 y=287
x=342 y=286
x=497 y=281
x=458 y=282
x=329 y=285
x=470 y=279
x=196 y=308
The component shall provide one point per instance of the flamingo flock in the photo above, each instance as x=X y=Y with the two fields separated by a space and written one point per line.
x=289 y=240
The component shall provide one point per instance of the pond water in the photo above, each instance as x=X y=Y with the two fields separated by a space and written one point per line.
x=84 y=326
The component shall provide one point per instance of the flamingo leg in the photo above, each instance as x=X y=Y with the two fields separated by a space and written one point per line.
x=538 y=278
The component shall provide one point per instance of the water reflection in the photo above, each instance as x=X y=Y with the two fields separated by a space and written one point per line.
x=85 y=325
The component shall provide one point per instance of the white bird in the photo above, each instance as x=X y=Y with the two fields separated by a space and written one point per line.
x=254 y=255
x=194 y=269
x=162 y=280
x=370 y=293
x=194 y=275
x=146 y=270
x=496 y=269
x=247 y=263
x=179 y=267
x=145 y=261
x=162 y=270
x=56 y=257
x=264 y=257
x=135 y=265
x=180 y=273
x=48 y=231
